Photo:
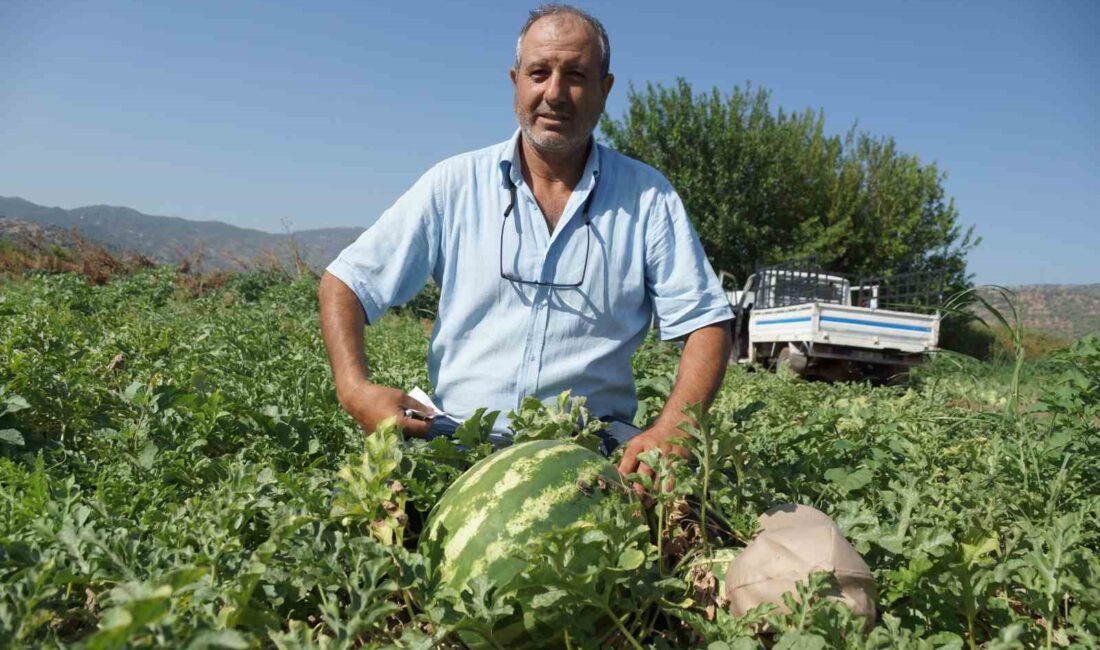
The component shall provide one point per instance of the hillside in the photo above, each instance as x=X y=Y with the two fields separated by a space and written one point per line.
x=170 y=239
x=27 y=234
x=1067 y=310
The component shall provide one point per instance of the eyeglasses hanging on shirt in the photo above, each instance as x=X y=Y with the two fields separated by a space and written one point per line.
x=587 y=242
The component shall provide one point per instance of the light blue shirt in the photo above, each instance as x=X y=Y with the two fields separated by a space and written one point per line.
x=496 y=341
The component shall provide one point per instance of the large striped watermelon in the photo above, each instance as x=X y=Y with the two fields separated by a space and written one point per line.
x=507 y=500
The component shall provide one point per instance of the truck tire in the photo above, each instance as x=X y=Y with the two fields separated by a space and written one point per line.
x=894 y=375
x=792 y=362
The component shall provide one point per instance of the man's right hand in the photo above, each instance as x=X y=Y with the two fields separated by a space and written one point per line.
x=371 y=403
x=342 y=321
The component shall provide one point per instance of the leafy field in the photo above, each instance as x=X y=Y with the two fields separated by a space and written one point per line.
x=175 y=471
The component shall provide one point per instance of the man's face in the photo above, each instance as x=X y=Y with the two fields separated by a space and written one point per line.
x=559 y=93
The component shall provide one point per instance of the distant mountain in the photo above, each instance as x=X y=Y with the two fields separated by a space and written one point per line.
x=1070 y=310
x=1067 y=310
x=30 y=235
x=171 y=239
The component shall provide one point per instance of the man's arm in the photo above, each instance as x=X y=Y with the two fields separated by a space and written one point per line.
x=342 y=324
x=702 y=366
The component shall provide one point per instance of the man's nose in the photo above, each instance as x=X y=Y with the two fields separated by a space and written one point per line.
x=557 y=91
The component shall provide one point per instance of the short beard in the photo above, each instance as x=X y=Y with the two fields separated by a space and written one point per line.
x=558 y=144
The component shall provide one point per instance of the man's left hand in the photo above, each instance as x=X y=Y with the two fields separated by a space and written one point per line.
x=659 y=437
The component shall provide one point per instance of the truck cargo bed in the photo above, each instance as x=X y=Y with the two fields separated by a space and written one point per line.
x=843 y=325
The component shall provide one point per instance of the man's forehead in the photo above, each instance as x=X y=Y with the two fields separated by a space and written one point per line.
x=561 y=32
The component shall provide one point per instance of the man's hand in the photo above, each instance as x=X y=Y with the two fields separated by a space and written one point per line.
x=657 y=437
x=702 y=365
x=342 y=321
x=371 y=403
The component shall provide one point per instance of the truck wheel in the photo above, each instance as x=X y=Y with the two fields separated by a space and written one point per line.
x=792 y=362
x=895 y=375
x=834 y=370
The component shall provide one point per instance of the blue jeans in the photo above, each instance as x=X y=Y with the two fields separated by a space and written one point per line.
x=617 y=433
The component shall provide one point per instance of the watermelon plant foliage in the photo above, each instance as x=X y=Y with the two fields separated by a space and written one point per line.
x=175 y=471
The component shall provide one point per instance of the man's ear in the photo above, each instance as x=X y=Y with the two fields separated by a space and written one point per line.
x=512 y=74
x=607 y=82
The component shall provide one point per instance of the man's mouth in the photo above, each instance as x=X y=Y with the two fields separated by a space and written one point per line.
x=554 y=118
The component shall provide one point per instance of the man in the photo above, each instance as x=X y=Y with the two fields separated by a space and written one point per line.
x=551 y=253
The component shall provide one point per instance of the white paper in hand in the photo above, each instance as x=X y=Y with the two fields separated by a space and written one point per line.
x=442 y=424
x=419 y=395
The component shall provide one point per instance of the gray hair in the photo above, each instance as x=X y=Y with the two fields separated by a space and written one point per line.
x=555 y=9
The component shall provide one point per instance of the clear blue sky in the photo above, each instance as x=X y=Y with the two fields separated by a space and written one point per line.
x=324 y=112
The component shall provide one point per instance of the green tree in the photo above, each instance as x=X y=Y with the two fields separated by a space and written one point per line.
x=766 y=186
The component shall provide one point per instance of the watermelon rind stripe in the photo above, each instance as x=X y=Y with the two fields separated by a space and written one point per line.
x=471 y=538
x=442 y=511
x=501 y=496
x=481 y=539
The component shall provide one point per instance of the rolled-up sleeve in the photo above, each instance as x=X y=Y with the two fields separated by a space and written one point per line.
x=391 y=261
x=685 y=291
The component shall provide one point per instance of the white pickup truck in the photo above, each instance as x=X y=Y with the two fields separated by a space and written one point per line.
x=817 y=324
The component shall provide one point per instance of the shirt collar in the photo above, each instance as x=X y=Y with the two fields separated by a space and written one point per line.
x=511 y=164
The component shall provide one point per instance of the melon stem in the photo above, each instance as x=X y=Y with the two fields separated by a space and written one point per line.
x=619 y=624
